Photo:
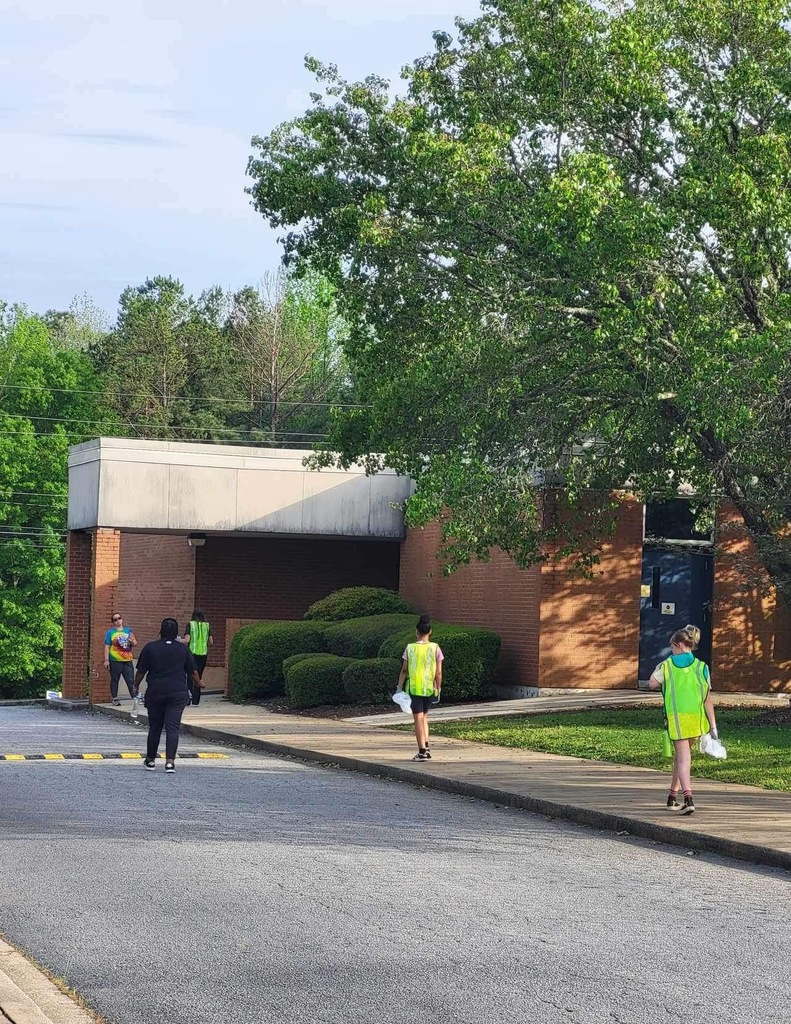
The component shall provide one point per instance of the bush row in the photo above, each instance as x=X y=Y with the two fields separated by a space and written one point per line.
x=330 y=679
x=358 y=661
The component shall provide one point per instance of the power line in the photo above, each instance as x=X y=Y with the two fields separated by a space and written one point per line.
x=186 y=426
x=248 y=442
x=182 y=398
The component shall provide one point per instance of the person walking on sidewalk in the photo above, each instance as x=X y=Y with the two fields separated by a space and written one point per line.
x=421 y=670
x=689 y=708
x=199 y=639
x=166 y=662
x=118 y=643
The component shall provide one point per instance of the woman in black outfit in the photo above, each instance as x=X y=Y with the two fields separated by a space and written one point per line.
x=166 y=662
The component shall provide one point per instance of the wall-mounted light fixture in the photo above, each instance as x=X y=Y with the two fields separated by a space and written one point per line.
x=196 y=540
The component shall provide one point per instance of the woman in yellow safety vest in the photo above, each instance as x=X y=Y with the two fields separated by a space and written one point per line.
x=421 y=669
x=689 y=708
x=199 y=639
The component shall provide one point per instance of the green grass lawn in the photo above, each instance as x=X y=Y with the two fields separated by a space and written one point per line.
x=757 y=755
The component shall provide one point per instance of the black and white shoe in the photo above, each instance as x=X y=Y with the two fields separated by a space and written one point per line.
x=116 y=702
x=689 y=806
x=421 y=755
x=672 y=802
x=169 y=766
x=149 y=765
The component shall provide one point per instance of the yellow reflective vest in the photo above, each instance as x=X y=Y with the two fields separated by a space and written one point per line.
x=421 y=660
x=685 y=691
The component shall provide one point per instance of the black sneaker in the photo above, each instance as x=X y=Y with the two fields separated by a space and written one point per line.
x=149 y=765
x=421 y=755
x=689 y=806
x=672 y=802
x=169 y=766
x=427 y=752
x=116 y=702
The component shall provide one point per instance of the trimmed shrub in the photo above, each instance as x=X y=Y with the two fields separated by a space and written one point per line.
x=470 y=658
x=362 y=638
x=371 y=681
x=316 y=680
x=354 y=602
x=257 y=653
x=294 y=659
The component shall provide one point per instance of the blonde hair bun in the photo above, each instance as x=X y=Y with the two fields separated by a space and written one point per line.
x=689 y=636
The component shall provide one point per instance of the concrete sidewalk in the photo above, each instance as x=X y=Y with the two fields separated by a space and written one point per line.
x=737 y=821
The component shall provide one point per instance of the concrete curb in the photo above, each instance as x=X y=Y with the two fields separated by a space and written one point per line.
x=604 y=820
x=29 y=996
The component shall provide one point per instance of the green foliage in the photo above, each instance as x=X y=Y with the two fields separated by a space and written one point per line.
x=45 y=406
x=468 y=670
x=371 y=681
x=577 y=277
x=361 y=638
x=354 y=602
x=294 y=659
x=258 y=651
x=317 y=680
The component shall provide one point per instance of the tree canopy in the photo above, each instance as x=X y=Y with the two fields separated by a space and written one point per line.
x=564 y=249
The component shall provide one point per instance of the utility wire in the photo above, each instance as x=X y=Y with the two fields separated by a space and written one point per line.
x=182 y=398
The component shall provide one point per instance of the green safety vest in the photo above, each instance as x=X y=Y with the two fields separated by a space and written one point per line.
x=199 y=637
x=421 y=662
x=684 y=691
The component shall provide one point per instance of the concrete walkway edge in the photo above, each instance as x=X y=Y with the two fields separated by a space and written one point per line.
x=607 y=821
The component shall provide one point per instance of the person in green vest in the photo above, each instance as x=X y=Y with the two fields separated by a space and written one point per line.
x=689 y=709
x=199 y=639
x=421 y=670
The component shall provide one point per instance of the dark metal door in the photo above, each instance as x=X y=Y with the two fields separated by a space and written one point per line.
x=676 y=590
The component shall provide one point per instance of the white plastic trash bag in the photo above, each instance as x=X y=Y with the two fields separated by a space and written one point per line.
x=711 y=746
x=404 y=701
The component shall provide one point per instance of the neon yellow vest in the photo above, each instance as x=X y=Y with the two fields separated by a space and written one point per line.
x=684 y=691
x=421 y=662
x=199 y=637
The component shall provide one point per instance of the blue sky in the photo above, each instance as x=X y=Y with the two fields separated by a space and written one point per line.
x=126 y=130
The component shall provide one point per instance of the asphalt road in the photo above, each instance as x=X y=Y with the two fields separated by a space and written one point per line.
x=260 y=889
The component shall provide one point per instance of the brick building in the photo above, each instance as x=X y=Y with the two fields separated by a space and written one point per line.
x=268 y=538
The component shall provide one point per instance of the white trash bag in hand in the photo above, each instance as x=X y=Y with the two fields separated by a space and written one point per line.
x=711 y=745
x=404 y=701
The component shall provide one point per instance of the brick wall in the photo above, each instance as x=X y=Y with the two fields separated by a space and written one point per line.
x=751 y=630
x=590 y=629
x=496 y=595
x=157 y=581
x=105 y=575
x=77 y=615
x=279 y=578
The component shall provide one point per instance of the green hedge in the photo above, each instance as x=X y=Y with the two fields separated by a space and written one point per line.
x=371 y=681
x=354 y=602
x=362 y=638
x=294 y=659
x=317 y=680
x=470 y=658
x=258 y=651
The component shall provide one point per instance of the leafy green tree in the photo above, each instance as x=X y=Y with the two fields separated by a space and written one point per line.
x=46 y=404
x=165 y=368
x=564 y=254
x=286 y=340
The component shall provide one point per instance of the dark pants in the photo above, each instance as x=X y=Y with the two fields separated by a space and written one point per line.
x=164 y=712
x=200 y=664
x=125 y=669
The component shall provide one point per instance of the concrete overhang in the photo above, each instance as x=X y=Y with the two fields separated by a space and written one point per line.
x=171 y=486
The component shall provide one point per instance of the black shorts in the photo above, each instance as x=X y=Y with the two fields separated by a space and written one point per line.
x=421 y=705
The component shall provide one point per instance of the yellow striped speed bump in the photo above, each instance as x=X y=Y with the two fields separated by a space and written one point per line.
x=124 y=755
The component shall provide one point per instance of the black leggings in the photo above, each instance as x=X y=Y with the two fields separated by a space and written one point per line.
x=200 y=664
x=165 y=712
